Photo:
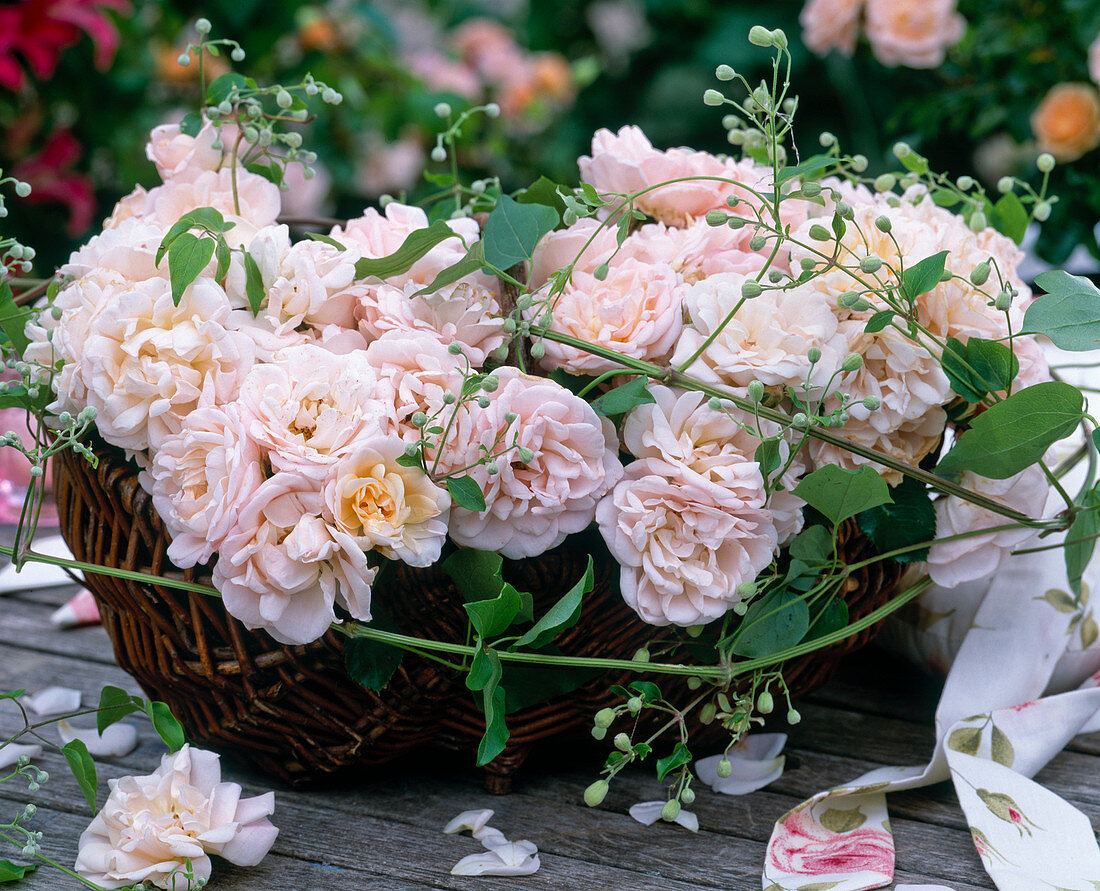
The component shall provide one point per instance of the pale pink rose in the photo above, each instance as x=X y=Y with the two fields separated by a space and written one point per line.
x=129 y=249
x=626 y=162
x=128 y=207
x=951 y=563
x=467 y=313
x=310 y=287
x=420 y=371
x=570 y=246
x=445 y=75
x=767 y=340
x=151 y=828
x=913 y=33
x=831 y=25
x=637 y=310
x=200 y=479
x=695 y=251
x=803 y=847
x=384 y=506
x=530 y=507
x=389 y=167
x=148 y=363
x=308 y=408
x=178 y=155
x=685 y=543
x=376 y=235
x=680 y=427
x=283 y=568
x=1094 y=60
x=258 y=199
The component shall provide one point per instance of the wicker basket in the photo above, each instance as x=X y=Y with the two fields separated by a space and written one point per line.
x=293 y=711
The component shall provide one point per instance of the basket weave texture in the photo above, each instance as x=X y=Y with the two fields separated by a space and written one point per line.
x=293 y=711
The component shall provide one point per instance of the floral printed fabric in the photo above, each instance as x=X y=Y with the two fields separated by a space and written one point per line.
x=994 y=730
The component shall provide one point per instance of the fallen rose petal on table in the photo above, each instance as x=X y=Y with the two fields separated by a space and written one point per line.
x=53 y=701
x=649 y=812
x=755 y=762
x=12 y=752
x=514 y=859
x=116 y=740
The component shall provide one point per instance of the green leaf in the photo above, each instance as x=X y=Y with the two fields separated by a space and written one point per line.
x=476 y=574
x=496 y=730
x=830 y=617
x=221 y=87
x=191 y=124
x=114 y=705
x=468 y=265
x=165 y=724
x=9 y=872
x=371 y=663
x=1069 y=313
x=922 y=277
x=879 y=321
x=492 y=617
x=1014 y=434
x=484 y=670
x=908 y=520
x=679 y=756
x=13 y=320
x=466 y=493
x=416 y=245
x=773 y=623
x=965 y=740
x=1009 y=217
x=512 y=231
x=222 y=252
x=812 y=165
x=1081 y=538
x=253 y=284
x=769 y=456
x=563 y=614
x=623 y=398
x=813 y=546
x=188 y=256
x=1001 y=748
x=543 y=191
x=979 y=367
x=839 y=494
x=83 y=768
x=842 y=819
x=326 y=239
x=648 y=690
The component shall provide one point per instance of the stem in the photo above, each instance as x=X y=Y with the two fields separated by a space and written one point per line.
x=55 y=864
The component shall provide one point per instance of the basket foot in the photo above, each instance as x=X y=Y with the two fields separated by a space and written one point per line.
x=501 y=771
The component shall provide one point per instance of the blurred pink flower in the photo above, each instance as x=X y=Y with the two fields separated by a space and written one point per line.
x=53 y=180
x=831 y=25
x=913 y=33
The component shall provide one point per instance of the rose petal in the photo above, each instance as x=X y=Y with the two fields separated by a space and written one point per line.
x=468 y=821
x=490 y=838
x=518 y=859
x=649 y=812
x=53 y=701
x=746 y=775
x=118 y=739
x=13 y=751
x=758 y=747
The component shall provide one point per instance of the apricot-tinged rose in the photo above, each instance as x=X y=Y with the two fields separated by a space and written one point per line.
x=913 y=33
x=831 y=25
x=178 y=155
x=154 y=828
x=385 y=506
x=1067 y=121
x=684 y=542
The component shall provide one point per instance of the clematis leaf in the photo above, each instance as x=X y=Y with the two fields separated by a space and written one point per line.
x=83 y=768
x=838 y=493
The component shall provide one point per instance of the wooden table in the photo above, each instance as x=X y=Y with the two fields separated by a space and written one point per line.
x=385 y=833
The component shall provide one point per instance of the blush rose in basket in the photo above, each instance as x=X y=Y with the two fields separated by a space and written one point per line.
x=744 y=391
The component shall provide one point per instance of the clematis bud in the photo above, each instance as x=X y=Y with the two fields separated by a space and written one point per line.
x=596 y=793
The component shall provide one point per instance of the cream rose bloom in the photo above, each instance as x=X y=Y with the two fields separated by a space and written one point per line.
x=909 y=442
x=283 y=568
x=831 y=25
x=151 y=826
x=308 y=408
x=200 y=480
x=147 y=363
x=767 y=340
x=395 y=510
x=179 y=156
x=914 y=33
x=466 y=313
x=530 y=507
x=637 y=310
x=680 y=427
x=951 y=563
x=685 y=543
